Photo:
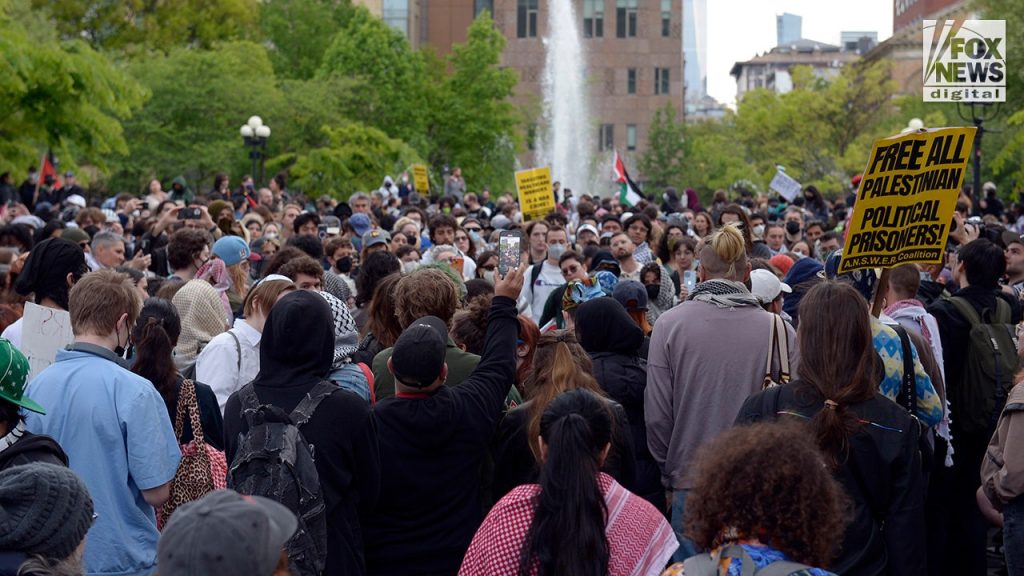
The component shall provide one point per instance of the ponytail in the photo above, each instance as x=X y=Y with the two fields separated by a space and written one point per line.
x=567 y=535
x=155 y=335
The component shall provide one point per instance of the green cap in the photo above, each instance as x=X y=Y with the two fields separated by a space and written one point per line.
x=14 y=377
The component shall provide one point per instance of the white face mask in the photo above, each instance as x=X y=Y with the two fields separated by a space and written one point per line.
x=759 y=230
x=408 y=267
x=488 y=275
x=555 y=251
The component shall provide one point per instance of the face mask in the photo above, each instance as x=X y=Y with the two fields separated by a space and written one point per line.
x=446 y=210
x=555 y=251
x=344 y=264
x=408 y=267
x=411 y=238
x=759 y=230
x=488 y=275
x=652 y=291
x=122 y=351
x=474 y=236
x=793 y=227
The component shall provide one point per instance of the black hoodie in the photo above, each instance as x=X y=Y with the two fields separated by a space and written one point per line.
x=613 y=340
x=296 y=352
x=33 y=448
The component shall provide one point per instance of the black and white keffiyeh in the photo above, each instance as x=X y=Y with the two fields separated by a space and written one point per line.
x=346 y=337
x=724 y=294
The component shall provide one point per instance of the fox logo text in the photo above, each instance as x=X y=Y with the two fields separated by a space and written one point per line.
x=964 y=60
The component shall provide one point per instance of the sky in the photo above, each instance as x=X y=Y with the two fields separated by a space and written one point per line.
x=738 y=30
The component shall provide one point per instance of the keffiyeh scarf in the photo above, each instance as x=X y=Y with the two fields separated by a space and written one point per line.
x=346 y=337
x=724 y=294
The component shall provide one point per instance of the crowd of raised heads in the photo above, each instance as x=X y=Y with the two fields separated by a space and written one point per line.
x=244 y=380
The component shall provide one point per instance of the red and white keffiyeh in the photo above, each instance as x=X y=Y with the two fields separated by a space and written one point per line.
x=640 y=541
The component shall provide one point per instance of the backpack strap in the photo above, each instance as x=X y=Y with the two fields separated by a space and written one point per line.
x=238 y=349
x=966 y=310
x=250 y=402
x=369 y=380
x=907 y=397
x=535 y=271
x=304 y=411
x=1002 y=314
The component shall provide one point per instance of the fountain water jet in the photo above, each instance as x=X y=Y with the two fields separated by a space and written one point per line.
x=565 y=141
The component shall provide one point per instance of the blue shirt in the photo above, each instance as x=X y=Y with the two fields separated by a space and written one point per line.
x=114 y=426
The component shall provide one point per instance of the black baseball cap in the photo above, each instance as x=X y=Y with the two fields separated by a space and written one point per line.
x=419 y=353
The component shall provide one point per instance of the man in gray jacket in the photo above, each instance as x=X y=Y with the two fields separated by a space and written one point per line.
x=706 y=356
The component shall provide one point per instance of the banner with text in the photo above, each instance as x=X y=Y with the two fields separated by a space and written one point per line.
x=420 y=179
x=906 y=199
x=536 y=199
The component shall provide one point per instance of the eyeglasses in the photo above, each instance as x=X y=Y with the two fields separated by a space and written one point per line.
x=473 y=229
x=570 y=270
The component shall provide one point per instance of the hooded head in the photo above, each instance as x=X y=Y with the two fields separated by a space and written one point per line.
x=346 y=336
x=287 y=361
x=602 y=325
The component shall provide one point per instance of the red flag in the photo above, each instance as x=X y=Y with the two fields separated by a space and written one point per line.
x=47 y=168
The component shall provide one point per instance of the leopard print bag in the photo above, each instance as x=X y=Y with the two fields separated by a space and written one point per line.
x=203 y=468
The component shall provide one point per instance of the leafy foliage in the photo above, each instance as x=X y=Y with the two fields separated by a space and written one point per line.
x=300 y=31
x=355 y=159
x=664 y=161
x=63 y=96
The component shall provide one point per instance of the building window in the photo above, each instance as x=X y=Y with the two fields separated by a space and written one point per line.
x=661 y=81
x=666 y=18
x=631 y=81
x=606 y=139
x=396 y=15
x=526 y=19
x=631 y=137
x=593 y=18
x=625 y=18
x=481 y=5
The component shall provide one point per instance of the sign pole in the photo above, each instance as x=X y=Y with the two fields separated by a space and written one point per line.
x=880 y=290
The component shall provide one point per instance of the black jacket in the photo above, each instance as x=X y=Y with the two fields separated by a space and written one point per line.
x=33 y=448
x=614 y=343
x=515 y=465
x=955 y=330
x=881 y=475
x=432 y=448
x=341 y=429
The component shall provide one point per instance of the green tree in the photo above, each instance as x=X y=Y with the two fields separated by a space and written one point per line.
x=199 y=100
x=356 y=158
x=474 y=124
x=299 y=32
x=715 y=157
x=663 y=162
x=138 y=25
x=369 y=50
x=1005 y=164
x=63 y=96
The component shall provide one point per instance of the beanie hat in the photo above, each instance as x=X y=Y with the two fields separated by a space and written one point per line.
x=217 y=206
x=45 y=509
x=76 y=235
x=782 y=262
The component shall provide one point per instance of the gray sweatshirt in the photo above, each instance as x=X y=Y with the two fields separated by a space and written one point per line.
x=703 y=363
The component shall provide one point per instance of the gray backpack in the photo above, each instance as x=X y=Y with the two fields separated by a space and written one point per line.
x=707 y=565
x=275 y=461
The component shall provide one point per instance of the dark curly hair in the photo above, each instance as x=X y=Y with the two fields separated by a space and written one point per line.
x=469 y=327
x=769 y=482
x=377 y=266
x=184 y=246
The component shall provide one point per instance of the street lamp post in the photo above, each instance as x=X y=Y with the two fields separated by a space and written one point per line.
x=255 y=134
x=980 y=112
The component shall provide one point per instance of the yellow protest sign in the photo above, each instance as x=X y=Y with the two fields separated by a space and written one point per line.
x=536 y=199
x=906 y=199
x=420 y=178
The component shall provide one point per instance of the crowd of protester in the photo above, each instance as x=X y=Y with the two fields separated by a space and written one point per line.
x=255 y=382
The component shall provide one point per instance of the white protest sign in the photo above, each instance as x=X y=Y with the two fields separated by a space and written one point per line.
x=43 y=332
x=785 y=185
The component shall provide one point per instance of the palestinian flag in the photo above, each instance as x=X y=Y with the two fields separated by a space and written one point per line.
x=629 y=192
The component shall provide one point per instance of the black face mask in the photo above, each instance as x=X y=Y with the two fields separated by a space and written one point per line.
x=120 y=350
x=344 y=264
x=793 y=227
x=652 y=291
x=411 y=238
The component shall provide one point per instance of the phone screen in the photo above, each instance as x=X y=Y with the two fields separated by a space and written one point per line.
x=689 y=280
x=509 y=252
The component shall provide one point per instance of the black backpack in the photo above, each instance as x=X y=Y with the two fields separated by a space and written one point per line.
x=275 y=461
x=976 y=401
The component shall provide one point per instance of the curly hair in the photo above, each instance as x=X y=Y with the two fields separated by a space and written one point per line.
x=377 y=266
x=769 y=482
x=426 y=292
x=184 y=245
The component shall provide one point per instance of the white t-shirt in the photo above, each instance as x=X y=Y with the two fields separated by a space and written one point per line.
x=533 y=297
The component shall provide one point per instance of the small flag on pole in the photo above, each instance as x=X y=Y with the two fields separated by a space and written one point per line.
x=629 y=192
